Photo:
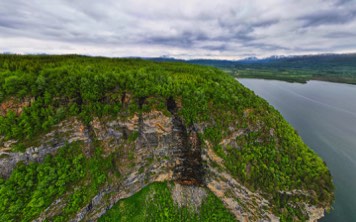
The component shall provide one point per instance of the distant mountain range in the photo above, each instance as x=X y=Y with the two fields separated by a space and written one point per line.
x=276 y=60
x=328 y=67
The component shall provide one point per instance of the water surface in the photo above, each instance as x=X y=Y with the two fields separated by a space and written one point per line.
x=324 y=114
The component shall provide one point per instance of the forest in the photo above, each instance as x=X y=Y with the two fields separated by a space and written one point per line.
x=270 y=158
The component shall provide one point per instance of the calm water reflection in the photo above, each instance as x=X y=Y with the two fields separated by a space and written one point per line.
x=324 y=115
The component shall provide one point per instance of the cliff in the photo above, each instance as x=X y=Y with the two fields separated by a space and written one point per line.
x=194 y=129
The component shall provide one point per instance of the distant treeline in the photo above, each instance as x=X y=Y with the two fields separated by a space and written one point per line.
x=327 y=67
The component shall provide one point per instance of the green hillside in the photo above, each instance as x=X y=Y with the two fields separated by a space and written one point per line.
x=39 y=92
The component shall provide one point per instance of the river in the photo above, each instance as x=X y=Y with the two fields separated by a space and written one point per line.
x=324 y=114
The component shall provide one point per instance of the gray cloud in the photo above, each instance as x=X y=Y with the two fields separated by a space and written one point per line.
x=329 y=17
x=342 y=2
x=188 y=28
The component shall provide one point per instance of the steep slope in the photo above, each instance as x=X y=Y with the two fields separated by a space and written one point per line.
x=80 y=134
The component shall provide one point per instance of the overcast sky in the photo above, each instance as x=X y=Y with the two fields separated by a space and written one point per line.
x=228 y=29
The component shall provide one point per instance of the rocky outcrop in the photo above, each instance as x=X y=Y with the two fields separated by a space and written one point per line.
x=68 y=131
x=244 y=204
x=15 y=105
x=314 y=213
x=188 y=196
x=151 y=160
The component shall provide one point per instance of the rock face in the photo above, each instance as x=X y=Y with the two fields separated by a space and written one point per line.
x=187 y=196
x=244 y=204
x=165 y=149
x=186 y=147
x=66 y=132
x=15 y=105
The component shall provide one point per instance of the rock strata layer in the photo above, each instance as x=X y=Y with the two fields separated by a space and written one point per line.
x=165 y=150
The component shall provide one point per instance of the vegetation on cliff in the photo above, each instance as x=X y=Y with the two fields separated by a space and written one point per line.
x=258 y=147
x=155 y=203
x=32 y=188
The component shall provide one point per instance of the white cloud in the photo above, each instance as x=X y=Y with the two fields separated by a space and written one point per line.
x=186 y=29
